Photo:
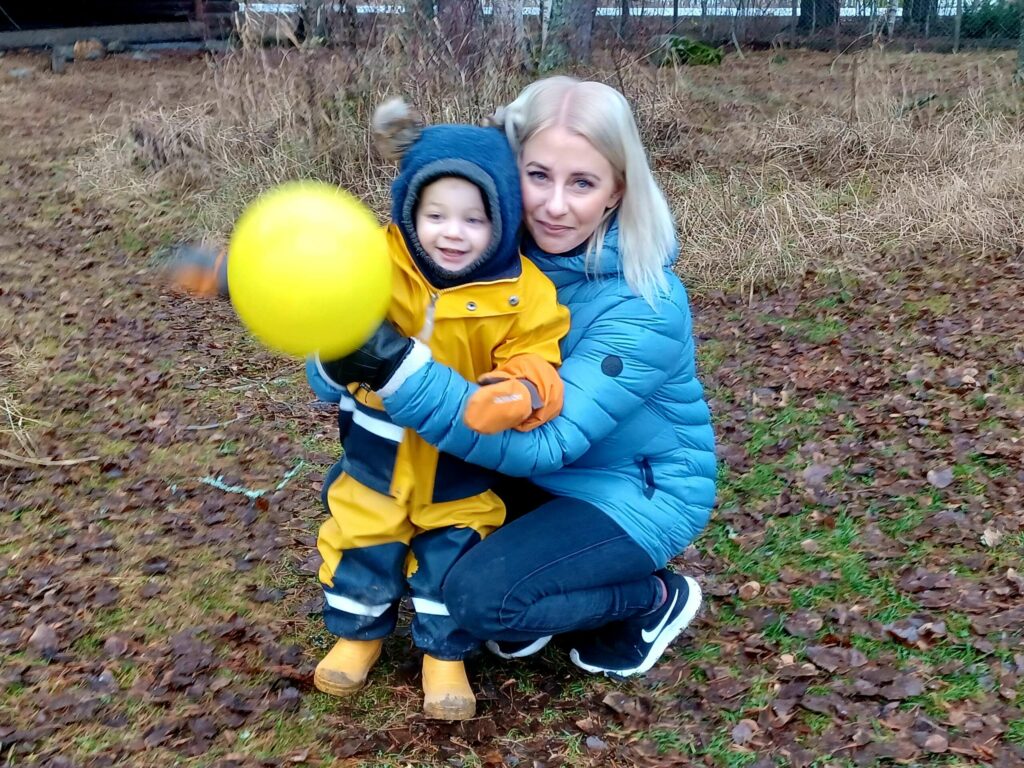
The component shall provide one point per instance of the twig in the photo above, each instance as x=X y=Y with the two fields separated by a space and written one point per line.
x=14 y=460
x=251 y=493
x=736 y=43
x=215 y=425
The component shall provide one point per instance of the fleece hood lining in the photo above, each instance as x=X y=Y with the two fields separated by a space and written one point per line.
x=432 y=171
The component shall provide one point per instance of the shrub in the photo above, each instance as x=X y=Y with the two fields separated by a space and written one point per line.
x=991 y=18
x=682 y=50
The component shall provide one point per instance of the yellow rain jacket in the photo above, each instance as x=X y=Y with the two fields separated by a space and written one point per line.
x=472 y=328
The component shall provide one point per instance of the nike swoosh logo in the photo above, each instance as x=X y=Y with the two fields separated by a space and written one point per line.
x=649 y=635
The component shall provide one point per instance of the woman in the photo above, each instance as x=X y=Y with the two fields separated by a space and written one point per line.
x=627 y=472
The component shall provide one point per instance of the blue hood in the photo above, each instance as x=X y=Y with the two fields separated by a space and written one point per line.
x=481 y=156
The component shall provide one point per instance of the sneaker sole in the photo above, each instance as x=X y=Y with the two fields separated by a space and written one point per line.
x=529 y=650
x=669 y=633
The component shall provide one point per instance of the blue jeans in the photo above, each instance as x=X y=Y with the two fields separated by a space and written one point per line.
x=562 y=567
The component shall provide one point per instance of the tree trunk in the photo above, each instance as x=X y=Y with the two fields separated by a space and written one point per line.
x=623 y=17
x=817 y=14
x=958 y=23
x=508 y=39
x=920 y=12
x=569 y=33
x=460 y=25
x=421 y=9
x=1020 y=48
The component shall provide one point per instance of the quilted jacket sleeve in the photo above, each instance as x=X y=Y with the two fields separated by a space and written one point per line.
x=620 y=362
x=322 y=386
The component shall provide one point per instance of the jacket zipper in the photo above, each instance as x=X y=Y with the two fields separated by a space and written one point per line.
x=648 y=477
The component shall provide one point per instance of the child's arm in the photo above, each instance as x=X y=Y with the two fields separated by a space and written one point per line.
x=322 y=385
x=524 y=390
x=522 y=394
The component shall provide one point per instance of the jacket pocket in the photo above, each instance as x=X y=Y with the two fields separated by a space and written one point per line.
x=646 y=476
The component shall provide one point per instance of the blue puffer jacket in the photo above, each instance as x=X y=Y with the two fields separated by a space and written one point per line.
x=634 y=438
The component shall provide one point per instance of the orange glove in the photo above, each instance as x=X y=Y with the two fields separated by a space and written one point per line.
x=523 y=394
x=200 y=271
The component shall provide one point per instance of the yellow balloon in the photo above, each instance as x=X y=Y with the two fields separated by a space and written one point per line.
x=308 y=270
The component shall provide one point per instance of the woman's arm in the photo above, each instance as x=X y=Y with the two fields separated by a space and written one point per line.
x=609 y=374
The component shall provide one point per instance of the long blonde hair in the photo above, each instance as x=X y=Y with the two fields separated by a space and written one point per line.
x=602 y=116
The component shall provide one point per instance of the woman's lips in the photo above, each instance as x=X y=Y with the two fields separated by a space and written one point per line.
x=553 y=229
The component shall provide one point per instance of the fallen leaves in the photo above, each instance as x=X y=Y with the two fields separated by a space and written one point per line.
x=887 y=441
x=44 y=641
x=804 y=624
x=941 y=477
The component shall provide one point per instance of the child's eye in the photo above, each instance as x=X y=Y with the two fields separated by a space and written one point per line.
x=433 y=217
x=475 y=221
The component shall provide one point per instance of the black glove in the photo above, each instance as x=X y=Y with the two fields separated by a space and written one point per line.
x=373 y=363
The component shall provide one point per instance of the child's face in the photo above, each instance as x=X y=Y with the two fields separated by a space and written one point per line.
x=452 y=223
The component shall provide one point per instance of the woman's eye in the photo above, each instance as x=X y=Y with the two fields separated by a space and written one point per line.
x=583 y=184
x=537 y=175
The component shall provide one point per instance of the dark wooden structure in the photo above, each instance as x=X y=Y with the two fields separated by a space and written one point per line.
x=50 y=14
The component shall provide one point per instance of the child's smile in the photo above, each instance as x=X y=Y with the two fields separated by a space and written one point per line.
x=452 y=223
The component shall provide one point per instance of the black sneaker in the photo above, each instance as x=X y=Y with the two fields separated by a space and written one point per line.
x=516 y=650
x=633 y=646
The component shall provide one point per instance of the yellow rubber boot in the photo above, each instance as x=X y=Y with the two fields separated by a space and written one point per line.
x=446 y=691
x=343 y=670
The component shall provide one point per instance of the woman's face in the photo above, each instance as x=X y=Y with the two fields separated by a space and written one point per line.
x=567 y=187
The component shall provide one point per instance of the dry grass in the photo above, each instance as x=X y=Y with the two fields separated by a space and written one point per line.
x=843 y=181
x=837 y=193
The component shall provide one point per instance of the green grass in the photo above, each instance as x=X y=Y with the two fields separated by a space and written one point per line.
x=711 y=353
x=817 y=330
x=937 y=305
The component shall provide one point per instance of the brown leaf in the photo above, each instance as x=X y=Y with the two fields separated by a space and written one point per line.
x=941 y=477
x=936 y=742
x=992 y=537
x=155 y=565
x=725 y=689
x=743 y=731
x=903 y=687
x=750 y=590
x=115 y=646
x=815 y=475
x=44 y=640
x=804 y=624
x=829 y=659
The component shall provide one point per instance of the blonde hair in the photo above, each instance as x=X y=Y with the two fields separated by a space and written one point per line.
x=602 y=116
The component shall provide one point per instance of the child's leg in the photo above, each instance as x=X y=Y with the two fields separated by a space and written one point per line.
x=364 y=545
x=445 y=532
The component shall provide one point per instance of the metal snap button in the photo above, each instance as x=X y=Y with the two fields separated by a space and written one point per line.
x=513 y=301
x=471 y=306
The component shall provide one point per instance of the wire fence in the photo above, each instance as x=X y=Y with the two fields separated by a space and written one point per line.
x=984 y=22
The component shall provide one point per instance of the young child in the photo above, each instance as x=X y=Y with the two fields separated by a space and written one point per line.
x=401 y=514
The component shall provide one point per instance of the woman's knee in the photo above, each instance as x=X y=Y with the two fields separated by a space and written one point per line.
x=473 y=599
